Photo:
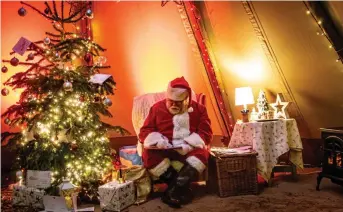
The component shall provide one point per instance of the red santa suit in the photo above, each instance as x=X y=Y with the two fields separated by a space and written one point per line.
x=191 y=130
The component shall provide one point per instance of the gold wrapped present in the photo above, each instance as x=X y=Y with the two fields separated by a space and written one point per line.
x=140 y=177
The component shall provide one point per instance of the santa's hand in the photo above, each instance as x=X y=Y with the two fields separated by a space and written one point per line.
x=163 y=143
x=156 y=139
x=195 y=141
x=185 y=149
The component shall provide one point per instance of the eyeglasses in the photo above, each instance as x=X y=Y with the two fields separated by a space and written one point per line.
x=169 y=101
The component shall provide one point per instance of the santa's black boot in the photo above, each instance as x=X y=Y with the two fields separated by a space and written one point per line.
x=178 y=191
x=168 y=176
x=187 y=175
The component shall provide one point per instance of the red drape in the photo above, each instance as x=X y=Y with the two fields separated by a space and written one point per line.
x=200 y=37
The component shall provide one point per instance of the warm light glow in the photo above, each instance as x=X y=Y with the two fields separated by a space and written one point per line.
x=247 y=70
x=308 y=12
x=156 y=61
x=244 y=96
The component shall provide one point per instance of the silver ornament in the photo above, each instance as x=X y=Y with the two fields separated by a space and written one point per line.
x=67 y=86
x=107 y=102
x=47 y=40
x=89 y=13
x=57 y=55
x=7 y=121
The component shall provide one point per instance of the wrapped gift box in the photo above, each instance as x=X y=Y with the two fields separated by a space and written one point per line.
x=129 y=156
x=26 y=196
x=141 y=179
x=115 y=196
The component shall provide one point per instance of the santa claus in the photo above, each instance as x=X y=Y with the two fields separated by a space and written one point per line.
x=176 y=128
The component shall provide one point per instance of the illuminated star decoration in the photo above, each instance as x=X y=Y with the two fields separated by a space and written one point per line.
x=166 y=1
x=280 y=108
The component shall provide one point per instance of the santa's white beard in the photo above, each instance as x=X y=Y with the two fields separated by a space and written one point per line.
x=174 y=110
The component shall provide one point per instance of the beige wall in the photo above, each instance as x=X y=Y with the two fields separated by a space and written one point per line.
x=307 y=63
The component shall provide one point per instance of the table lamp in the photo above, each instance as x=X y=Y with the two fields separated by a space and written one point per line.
x=244 y=96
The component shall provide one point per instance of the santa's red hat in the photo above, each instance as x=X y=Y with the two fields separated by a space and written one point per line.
x=178 y=89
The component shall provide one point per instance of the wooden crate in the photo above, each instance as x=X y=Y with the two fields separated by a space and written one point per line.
x=234 y=174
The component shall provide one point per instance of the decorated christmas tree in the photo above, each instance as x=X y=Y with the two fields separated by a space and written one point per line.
x=262 y=105
x=63 y=100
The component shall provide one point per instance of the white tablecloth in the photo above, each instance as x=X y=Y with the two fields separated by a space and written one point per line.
x=270 y=140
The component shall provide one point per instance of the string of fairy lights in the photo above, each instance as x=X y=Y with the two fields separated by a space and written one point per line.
x=322 y=31
x=195 y=19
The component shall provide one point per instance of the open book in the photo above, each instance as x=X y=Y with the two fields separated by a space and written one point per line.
x=156 y=148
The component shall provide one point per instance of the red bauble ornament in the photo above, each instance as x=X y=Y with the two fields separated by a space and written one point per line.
x=68 y=56
x=14 y=61
x=82 y=98
x=88 y=57
x=47 y=11
x=36 y=136
x=97 y=99
x=31 y=56
x=73 y=146
x=5 y=92
x=22 y=11
x=4 y=69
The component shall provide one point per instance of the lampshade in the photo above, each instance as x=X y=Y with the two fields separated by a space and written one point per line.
x=244 y=96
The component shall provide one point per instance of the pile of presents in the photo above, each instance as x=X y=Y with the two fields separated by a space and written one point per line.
x=128 y=186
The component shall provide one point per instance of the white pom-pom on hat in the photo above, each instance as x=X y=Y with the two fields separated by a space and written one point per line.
x=190 y=109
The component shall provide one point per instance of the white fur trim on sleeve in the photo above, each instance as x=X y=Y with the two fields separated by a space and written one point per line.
x=139 y=148
x=190 y=110
x=196 y=163
x=154 y=138
x=162 y=167
x=195 y=140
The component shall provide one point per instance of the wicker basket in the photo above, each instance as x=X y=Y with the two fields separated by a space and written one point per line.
x=235 y=174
